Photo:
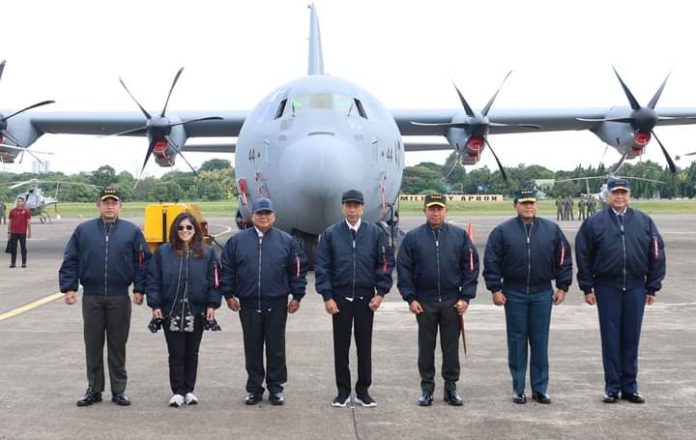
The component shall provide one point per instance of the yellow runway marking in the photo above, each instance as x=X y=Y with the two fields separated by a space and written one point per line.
x=30 y=306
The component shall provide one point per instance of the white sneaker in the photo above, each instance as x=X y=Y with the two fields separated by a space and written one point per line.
x=191 y=399
x=340 y=401
x=176 y=401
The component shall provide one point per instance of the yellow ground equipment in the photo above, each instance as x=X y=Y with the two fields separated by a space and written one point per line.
x=158 y=221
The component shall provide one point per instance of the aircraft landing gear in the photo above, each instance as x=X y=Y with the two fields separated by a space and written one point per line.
x=309 y=244
x=44 y=218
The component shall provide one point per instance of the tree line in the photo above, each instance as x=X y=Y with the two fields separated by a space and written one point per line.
x=214 y=181
x=429 y=177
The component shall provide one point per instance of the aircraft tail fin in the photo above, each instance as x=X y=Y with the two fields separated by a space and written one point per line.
x=315 y=66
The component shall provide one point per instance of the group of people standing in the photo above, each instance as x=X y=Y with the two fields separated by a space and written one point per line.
x=262 y=276
x=587 y=206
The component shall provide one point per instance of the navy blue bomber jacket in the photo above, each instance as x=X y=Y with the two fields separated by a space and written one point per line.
x=354 y=268
x=434 y=269
x=622 y=255
x=166 y=272
x=260 y=271
x=527 y=260
x=105 y=259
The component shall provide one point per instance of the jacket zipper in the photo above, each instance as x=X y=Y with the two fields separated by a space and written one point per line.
x=437 y=255
x=352 y=293
x=623 y=244
x=259 y=275
x=107 y=230
x=529 y=252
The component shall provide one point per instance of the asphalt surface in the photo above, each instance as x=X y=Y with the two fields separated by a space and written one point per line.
x=42 y=365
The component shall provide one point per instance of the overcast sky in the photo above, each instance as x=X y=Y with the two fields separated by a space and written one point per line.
x=405 y=53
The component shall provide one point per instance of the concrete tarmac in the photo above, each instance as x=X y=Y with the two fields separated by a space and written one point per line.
x=43 y=369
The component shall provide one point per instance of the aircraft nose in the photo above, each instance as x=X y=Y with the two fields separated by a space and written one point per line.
x=313 y=173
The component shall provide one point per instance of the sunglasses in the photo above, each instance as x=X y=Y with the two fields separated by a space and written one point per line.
x=185 y=227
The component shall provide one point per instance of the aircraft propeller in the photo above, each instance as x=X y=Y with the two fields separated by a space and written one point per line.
x=3 y=124
x=476 y=126
x=642 y=119
x=158 y=127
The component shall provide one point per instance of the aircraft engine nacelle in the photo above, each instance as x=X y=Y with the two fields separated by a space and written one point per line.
x=17 y=130
x=468 y=147
x=623 y=138
x=165 y=150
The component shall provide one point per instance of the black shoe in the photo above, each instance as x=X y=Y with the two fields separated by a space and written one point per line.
x=426 y=399
x=276 y=398
x=341 y=401
x=610 y=398
x=121 y=399
x=89 y=397
x=24 y=265
x=453 y=398
x=253 y=398
x=520 y=398
x=364 y=399
x=541 y=397
x=12 y=265
x=633 y=397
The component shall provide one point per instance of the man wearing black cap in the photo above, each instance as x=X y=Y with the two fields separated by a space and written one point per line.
x=353 y=273
x=261 y=266
x=523 y=255
x=438 y=271
x=106 y=255
x=621 y=265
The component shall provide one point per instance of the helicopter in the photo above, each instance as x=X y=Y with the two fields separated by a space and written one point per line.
x=35 y=200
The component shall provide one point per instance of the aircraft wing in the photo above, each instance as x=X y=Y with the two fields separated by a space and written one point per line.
x=107 y=123
x=525 y=120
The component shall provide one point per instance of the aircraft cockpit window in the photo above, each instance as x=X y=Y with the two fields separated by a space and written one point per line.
x=324 y=101
x=281 y=106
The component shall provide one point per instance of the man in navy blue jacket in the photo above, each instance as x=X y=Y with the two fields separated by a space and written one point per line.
x=353 y=273
x=438 y=271
x=523 y=255
x=106 y=255
x=261 y=266
x=621 y=265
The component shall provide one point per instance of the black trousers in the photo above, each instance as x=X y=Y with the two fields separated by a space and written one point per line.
x=353 y=316
x=21 y=240
x=106 y=316
x=183 y=356
x=444 y=316
x=265 y=327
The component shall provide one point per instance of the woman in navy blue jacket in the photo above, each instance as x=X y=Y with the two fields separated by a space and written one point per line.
x=183 y=279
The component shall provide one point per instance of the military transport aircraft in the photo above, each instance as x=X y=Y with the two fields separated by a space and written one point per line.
x=314 y=137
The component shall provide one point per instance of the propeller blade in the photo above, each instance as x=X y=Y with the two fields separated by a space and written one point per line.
x=14 y=147
x=693 y=153
x=171 y=89
x=23 y=149
x=142 y=109
x=615 y=168
x=139 y=130
x=488 y=106
x=178 y=148
x=631 y=99
x=452 y=167
x=150 y=149
x=500 y=165
x=627 y=120
x=467 y=108
x=653 y=101
x=497 y=124
x=205 y=118
x=442 y=124
x=38 y=104
x=2 y=67
x=670 y=162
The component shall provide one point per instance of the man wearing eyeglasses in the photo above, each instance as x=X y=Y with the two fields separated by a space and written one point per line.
x=621 y=265
x=106 y=255
x=523 y=255
x=261 y=267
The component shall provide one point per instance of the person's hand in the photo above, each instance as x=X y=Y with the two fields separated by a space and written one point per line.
x=330 y=306
x=28 y=234
x=375 y=302
x=210 y=314
x=461 y=306
x=70 y=297
x=499 y=298
x=650 y=299
x=233 y=304
x=293 y=305
x=415 y=307
x=590 y=298
x=157 y=314
x=559 y=296
x=138 y=298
